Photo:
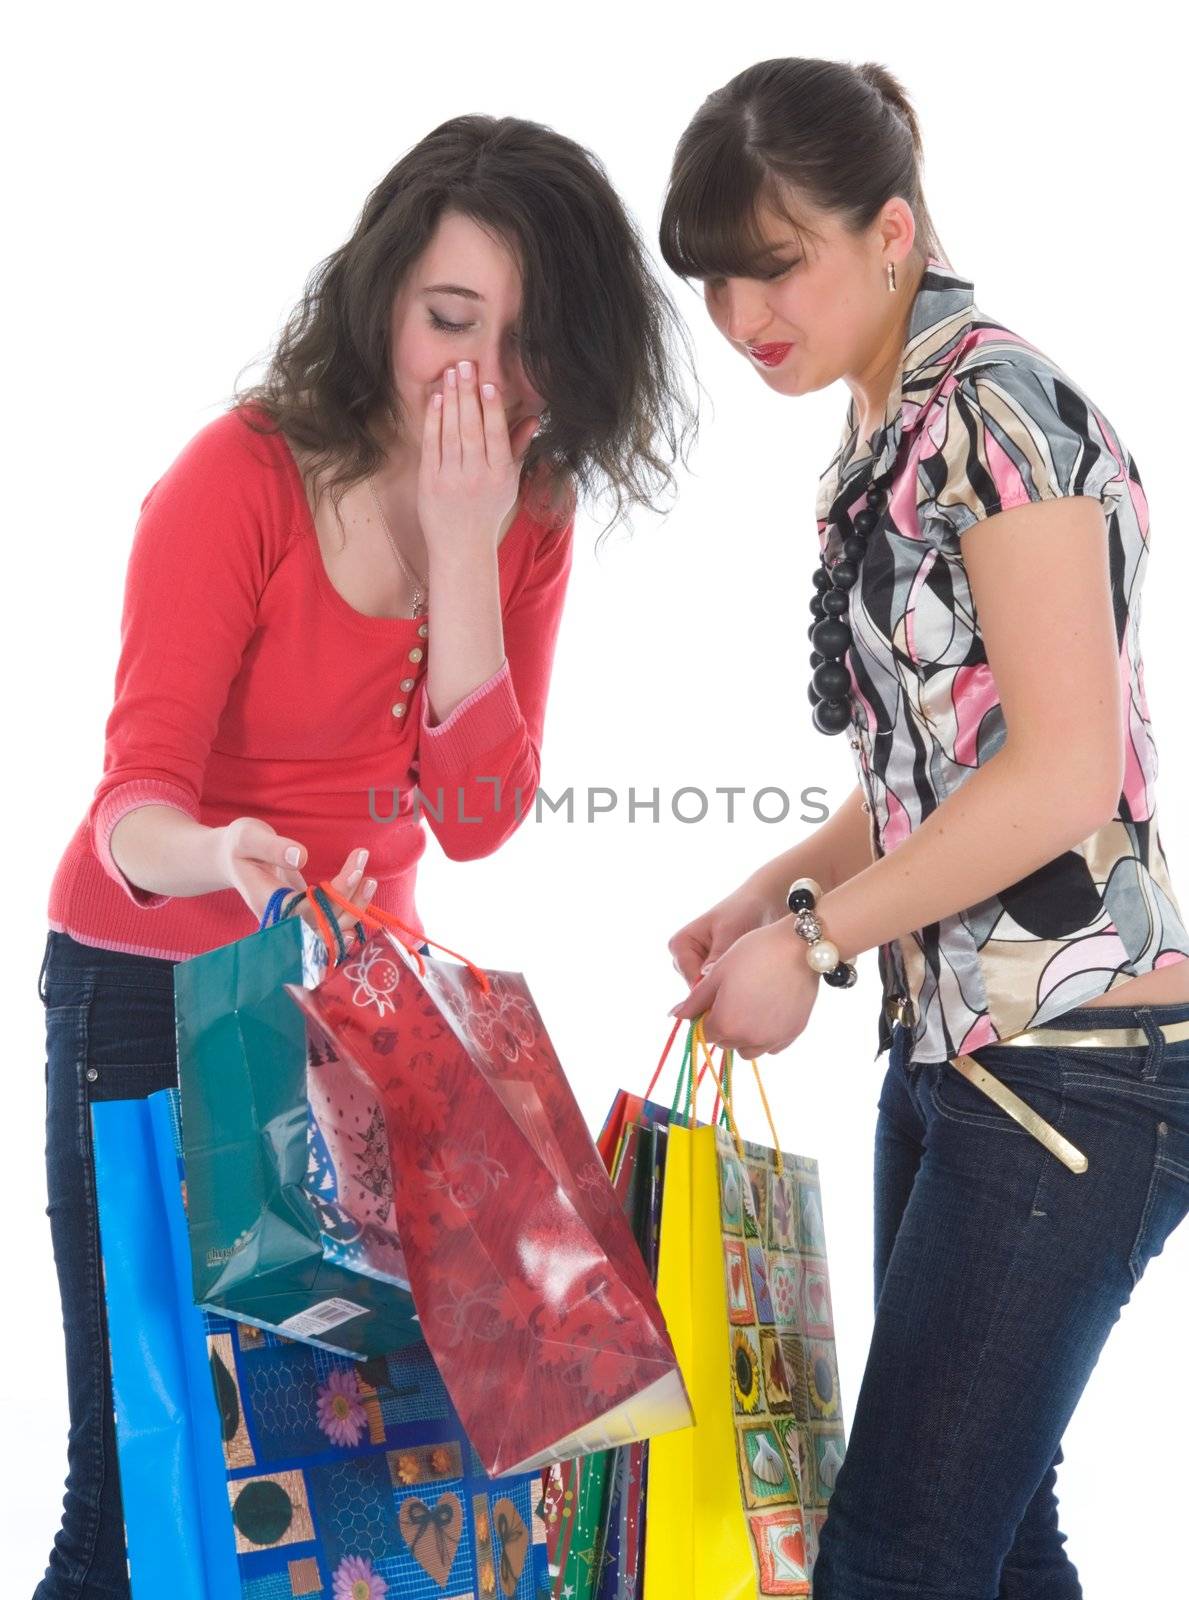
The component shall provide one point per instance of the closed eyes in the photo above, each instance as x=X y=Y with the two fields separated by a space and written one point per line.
x=443 y=326
x=765 y=277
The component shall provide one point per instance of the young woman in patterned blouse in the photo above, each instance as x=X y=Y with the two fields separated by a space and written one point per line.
x=983 y=536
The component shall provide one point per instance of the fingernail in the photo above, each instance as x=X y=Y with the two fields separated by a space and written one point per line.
x=465 y=369
x=451 y=376
x=488 y=391
x=708 y=966
x=369 y=886
x=361 y=858
x=293 y=855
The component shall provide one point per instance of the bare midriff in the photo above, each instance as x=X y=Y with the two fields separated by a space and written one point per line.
x=1165 y=987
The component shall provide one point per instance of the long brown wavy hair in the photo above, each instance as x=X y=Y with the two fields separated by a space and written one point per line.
x=599 y=335
x=844 y=138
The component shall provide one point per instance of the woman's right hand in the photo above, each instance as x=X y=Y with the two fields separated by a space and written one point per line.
x=696 y=947
x=257 y=861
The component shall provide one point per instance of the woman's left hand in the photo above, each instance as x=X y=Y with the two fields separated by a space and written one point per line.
x=757 y=997
x=469 y=475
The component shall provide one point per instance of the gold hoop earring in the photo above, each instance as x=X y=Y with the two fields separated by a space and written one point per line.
x=891 y=271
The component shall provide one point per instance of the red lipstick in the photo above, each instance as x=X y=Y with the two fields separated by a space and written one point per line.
x=769 y=355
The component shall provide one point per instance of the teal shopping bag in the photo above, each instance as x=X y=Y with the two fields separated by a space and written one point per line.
x=253 y=1467
x=290 y=1215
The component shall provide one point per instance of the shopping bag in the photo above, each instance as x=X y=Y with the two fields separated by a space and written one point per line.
x=593 y=1508
x=290 y=1207
x=527 y=1280
x=744 y=1284
x=253 y=1467
x=595 y=1505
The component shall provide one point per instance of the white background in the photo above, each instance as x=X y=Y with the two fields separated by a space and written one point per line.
x=175 y=172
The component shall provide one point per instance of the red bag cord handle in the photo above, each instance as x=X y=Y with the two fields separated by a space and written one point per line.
x=660 y=1066
x=385 y=919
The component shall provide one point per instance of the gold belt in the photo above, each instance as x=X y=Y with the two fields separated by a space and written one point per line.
x=899 y=1010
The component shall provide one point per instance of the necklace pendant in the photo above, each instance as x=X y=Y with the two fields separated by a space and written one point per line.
x=420 y=608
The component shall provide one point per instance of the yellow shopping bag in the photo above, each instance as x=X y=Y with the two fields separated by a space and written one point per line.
x=733 y=1503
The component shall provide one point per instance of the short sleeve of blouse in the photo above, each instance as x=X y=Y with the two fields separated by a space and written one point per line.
x=1010 y=434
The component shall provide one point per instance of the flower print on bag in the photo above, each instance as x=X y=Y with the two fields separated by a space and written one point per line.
x=466 y=1173
x=355 y=1579
x=340 y=1408
x=500 y=1023
x=473 y=1313
x=377 y=976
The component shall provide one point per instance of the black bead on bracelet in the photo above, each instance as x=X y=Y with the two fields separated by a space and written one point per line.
x=822 y=954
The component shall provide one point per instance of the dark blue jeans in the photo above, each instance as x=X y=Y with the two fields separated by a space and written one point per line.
x=998 y=1277
x=109 y=1036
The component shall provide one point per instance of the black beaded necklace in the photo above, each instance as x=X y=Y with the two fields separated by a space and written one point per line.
x=829 y=688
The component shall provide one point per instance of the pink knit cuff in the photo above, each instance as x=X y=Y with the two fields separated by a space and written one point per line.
x=118 y=803
x=488 y=715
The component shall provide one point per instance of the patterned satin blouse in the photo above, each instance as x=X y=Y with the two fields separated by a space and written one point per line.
x=977 y=422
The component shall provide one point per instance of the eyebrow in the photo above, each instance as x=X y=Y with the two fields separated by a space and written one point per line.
x=452 y=288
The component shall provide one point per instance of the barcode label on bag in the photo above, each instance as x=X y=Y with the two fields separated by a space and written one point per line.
x=326 y=1314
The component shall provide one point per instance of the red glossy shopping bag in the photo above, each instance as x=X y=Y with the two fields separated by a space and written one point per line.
x=531 y=1291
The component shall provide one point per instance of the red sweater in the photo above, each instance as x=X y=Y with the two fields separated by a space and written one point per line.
x=247 y=686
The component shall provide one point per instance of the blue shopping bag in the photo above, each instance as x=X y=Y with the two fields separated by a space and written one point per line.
x=255 y=1467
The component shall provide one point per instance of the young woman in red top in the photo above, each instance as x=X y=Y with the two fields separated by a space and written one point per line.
x=340 y=614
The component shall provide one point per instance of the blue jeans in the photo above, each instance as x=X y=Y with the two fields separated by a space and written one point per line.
x=998 y=1277
x=109 y=1036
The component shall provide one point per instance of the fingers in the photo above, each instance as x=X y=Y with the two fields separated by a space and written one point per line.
x=689 y=954
x=744 y=1051
x=284 y=856
x=495 y=428
x=348 y=919
x=451 y=428
x=470 y=416
x=351 y=872
x=747 y=1052
x=431 y=439
x=347 y=883
x=257 y=884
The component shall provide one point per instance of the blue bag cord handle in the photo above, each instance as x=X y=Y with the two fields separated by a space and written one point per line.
x=272 y=910
x=272 y=914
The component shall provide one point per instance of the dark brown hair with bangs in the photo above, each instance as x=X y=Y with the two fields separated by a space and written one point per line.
x=598 y=332
x=843 y=138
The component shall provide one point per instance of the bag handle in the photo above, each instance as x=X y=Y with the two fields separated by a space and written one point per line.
x=324 y=917
x=328 y=927
x=687 y=1087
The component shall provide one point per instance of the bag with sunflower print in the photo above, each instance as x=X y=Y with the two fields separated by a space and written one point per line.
x=744 y=1285
x=255 y=1467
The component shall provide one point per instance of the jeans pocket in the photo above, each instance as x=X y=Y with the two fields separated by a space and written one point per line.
x=1167 y=1201
x=1036 y=1081
x=131 y=1042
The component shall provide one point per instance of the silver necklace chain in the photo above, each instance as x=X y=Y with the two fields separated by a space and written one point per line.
x=420 y=590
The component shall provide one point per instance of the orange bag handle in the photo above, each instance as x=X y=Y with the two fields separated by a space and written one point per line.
x=722 y=1085
x=384 y=919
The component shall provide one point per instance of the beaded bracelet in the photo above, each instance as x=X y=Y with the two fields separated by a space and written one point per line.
x=822 y=954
